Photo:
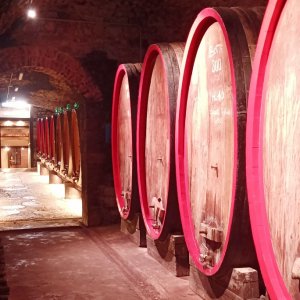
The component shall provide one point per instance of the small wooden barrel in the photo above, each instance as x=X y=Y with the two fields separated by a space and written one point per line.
x=273 y=164
x=74 y=170
x=210 y=138
x=123 y=139
x=52 y=139
x=47 y=144
x=38 y=136
x=155 y=139
x=42 y=136
x=58 y=142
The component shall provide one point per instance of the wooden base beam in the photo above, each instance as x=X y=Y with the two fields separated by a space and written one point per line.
x=240 y=284
x=171 y=253
x=135 y=230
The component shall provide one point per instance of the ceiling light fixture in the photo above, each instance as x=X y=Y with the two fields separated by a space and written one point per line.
x=15 y=104
x=31 y=13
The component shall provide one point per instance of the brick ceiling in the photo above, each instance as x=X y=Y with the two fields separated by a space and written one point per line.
x=98 y=34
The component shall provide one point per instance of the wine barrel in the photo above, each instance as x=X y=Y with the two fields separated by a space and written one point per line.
x=123 y=139
x=273 y=167
x=75 y=169
x=47 y=144
x=42 y=136
x=155 y=139
x=210 y=138
x=58 y=142
x=38 y=136
x=52 y=139
x=66 y=143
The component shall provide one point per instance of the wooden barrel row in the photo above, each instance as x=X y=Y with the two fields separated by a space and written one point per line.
x=210 y=133
x=59 y=144
x=222 y=168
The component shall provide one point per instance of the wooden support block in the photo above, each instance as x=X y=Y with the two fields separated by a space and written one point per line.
x=38 y=167
x=135 y=230
x=171 y=253
x=54 y=179
x=71 y=192
x=43 y=170
x=239 y=284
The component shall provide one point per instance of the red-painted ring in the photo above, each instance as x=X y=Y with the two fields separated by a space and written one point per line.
x=121 y=72
x=203 y=21
x=254 y=156
x=148 y=65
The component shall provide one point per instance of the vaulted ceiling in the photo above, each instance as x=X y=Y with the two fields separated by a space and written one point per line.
x=94 y=37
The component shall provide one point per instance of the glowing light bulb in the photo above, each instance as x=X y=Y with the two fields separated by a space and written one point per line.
x=31 y=13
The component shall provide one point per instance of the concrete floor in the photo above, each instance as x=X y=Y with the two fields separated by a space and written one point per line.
x=85 y=264
x=72 y=263
x=27 y=200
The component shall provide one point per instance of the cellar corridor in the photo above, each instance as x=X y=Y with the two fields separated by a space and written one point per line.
x=29 y=201
x=78 y=263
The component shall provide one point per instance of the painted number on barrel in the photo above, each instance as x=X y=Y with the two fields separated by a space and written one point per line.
x=219 y=96
x=216 y=65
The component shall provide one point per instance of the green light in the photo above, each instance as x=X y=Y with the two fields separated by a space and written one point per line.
x=76 y=105
x=68 y=107
x=62 y=110
x=57 y=110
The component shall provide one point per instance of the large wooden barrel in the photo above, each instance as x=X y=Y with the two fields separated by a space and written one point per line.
x=47 y=143
x=74 y=170
x=52 y=139
x=66 y=143
x=273 y=164
x=210 y=138
x=58 y=142
x=38 y=136
x=123 y=139
x=155 y=139
x=42 y=136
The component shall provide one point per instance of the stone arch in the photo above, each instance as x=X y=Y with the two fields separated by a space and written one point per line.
x=54 y=60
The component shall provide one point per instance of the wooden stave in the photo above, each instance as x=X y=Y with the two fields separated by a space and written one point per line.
x=238 y=251
x=172 y=222
x=254 y=157
x=132 y=71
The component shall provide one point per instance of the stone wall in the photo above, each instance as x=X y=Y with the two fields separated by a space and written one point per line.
x=80 y=43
